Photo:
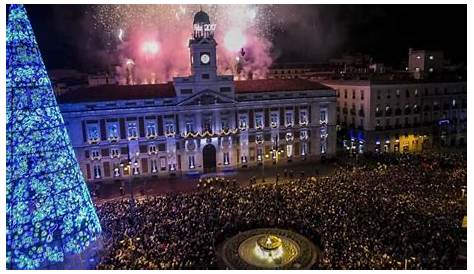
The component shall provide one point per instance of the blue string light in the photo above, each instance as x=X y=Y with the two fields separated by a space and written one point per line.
x=50 y=214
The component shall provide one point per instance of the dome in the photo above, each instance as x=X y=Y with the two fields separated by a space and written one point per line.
x=201 y=18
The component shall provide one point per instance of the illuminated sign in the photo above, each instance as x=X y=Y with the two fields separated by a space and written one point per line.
x=202 y=29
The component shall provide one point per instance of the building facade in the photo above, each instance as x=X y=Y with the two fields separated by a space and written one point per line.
x=201 y=123
x=400 y=116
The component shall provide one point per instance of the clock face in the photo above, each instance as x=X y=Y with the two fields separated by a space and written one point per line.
x=205 y=58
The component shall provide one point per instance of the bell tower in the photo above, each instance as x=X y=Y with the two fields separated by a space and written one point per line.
x=203 y=48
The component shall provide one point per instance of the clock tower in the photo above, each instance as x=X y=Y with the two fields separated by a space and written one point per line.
x=203 y=48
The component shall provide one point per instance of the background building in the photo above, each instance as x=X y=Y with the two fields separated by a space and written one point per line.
x=399 y=116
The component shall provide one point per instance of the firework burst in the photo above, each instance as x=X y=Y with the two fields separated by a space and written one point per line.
x=165 y=30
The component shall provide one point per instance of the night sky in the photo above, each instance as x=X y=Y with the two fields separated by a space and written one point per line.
x=383 y=31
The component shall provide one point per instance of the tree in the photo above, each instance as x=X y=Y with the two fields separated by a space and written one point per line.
x=50 y=215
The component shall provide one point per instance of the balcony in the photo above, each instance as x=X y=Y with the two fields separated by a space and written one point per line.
x=93 y=140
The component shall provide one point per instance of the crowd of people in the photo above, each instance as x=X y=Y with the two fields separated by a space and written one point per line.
x=379 y=212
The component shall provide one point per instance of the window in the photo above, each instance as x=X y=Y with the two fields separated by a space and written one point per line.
x=224 y=124
x=163 y=163
x=95 y=154
x=430 y=69
x=226 y=158
x=289 y=150
x=191 y=161
x=416 y=92
x=397 y=92
x=259 y=154
x=151 y=129
x=323 y=116
x=97 y=172
x=243 y=122
x=189 y=127
x=259 y=138
x=362 y=95
x=289 y=119
x=258 y=120
x=353 y=94
x=304 y=135
x=132 y=130
x=407 y=93
x=114 y=152
x=205 y=76
x=379 y=92
x=243 y=159
x=112 y=129
x=154 y=166
x=345 y=93
x=304 y=149
x=93 y=133
x=431 y=57
x=274 y=119
x=152 y=149
x=207 y=125
x=303 y=117
x=169 y=128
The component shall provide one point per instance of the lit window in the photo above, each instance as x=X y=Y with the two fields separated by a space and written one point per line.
x=95 y=154
x=132 y=130
x=169 y=128
x=151 y=129
x=93 y=133
x=303 y=117
x=259 y=154
x=189 y=127
x=431 y=57
x=289 y=150
x=323 y=116
x=243 y=122
x=224 y=124
x=112 y=129
x=226 y=158
x=274 y=119
x=191 y=161
x=430 y=69
x=289 y=119
x=154 y=166
x=304 y=135
x=114 y=152
x=97 y=172
x=258 y=120
x=152 y=149
x=417 y=69
x=304 y=149
x=418 y=57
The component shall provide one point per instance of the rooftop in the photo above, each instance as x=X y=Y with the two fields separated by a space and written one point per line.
x=137 y=92
x=270 y=85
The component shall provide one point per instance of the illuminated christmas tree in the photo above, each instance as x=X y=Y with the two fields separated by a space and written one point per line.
x=50 y=215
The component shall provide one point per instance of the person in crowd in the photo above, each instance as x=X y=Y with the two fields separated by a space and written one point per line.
x=376 y=212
